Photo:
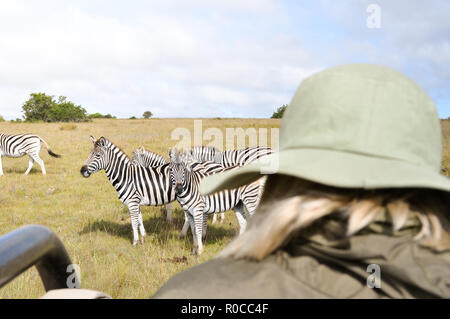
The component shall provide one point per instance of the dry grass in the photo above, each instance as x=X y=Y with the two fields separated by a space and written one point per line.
x=91 y=221
x=87 y=215
x=68 y=127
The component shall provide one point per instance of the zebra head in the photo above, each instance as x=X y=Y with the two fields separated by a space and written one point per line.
x=179 y=169
x=96 y=159
x=138 y=157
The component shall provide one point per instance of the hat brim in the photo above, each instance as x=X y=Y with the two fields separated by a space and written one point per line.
x=332 y=168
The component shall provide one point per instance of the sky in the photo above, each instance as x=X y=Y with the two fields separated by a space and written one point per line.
x=203 y=58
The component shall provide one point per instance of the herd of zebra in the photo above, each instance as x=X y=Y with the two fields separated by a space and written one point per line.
x=148 y=179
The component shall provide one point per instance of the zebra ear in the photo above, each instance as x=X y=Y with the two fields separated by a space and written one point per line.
x=102 y=141
x=142 y=149
x=173 y=154
x=93 y=140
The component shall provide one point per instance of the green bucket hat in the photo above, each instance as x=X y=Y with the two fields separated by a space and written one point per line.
x=353 y=126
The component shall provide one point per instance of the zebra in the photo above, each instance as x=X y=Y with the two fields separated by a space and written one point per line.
x=185 y=180
x=149 y=159
x=136 y=185
x=228 y=158
x=21 y=144
x=146 y=158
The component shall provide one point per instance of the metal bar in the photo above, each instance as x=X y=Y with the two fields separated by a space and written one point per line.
x=34 y=245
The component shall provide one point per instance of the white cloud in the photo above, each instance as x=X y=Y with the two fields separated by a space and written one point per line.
x=175 y=63
x=200 y=57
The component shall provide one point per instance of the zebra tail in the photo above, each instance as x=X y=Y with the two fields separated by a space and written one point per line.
x=52 y=154
x=48 y=149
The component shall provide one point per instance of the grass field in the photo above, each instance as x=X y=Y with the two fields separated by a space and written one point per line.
x=90 y=220
x=87 y=215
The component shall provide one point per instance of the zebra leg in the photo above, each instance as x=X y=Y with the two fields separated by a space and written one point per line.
x=214 y=218
x=222 y=217
x=240 y=216
x=185 y=226
x=30 y=165
x=169 y=213
x=198 y=224
x=205 y=222
x=190 y=219
x=38 y=160
x=141 y=227
x=136 y=217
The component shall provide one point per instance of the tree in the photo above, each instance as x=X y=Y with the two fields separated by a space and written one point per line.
x=38 y=106
x=147 y=115
x=42 y=107
x=278 y=114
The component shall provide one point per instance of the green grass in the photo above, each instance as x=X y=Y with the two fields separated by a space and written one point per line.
x=87 y=215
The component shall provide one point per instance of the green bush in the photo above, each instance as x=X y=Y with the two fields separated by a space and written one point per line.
x=278 y=114
x=2 y=119
x=42 y=107
x=101 y=116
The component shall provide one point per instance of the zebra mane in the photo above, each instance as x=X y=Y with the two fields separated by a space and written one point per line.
x=111 y=145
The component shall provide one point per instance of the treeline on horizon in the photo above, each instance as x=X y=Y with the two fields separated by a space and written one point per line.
x=41 y=107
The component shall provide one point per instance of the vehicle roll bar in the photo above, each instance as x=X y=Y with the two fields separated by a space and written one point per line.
x=39 y=246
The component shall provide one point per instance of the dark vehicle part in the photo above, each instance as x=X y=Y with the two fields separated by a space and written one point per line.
x=39 y=246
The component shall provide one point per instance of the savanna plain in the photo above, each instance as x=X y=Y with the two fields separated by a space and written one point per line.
x=90 y=220
x=87 y=215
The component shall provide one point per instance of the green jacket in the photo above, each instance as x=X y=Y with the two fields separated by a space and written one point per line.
x=317 y=266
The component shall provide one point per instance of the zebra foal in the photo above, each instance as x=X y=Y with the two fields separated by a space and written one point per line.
x=20 y=144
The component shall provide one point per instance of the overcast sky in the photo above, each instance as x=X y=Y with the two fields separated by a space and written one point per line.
x=204 y=58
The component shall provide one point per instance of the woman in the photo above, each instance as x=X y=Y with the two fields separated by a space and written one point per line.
x=357 y=207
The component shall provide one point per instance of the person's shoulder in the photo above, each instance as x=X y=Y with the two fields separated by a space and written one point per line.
x=216 y=278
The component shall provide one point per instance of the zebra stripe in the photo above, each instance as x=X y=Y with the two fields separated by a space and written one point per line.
x=146 y=158
x=136 y=185
x=21 y=144
x=206 y=153
x=229 y=158
x=186 y=180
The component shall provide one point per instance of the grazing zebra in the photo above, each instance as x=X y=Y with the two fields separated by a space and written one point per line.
x=21 y=144
x=186 y=179
x=228 y=158
x=136 y=185
x=146 y=158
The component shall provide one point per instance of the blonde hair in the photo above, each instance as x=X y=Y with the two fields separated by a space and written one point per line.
x=290 y=205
